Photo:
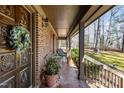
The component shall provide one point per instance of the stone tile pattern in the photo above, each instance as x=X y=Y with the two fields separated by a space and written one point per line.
x=68 y=78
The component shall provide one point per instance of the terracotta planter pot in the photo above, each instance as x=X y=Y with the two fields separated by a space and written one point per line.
x=51 y=80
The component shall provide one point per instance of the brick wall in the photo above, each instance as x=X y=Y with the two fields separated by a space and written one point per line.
x=55 y=44
x=44 y=43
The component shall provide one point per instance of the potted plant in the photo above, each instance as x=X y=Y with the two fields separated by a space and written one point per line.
x=52 y=70
x=75 y=56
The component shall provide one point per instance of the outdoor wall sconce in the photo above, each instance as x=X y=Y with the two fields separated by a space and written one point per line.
x=45 y=22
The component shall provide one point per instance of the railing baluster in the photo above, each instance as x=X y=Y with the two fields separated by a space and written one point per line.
x=85 y=68
x=99 y=71
x=122 y=82
x=92 y=71
x=115 y=82
x=108 y=79
x=100 y=75
x=103 y=75
x=88 y=69
x=112 y=80
x=95 y=73
x=119 y=82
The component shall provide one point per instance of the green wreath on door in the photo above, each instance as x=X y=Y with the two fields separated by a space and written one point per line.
x=19 y=38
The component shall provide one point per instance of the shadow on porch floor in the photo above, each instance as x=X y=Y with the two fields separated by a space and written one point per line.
x=68 y=78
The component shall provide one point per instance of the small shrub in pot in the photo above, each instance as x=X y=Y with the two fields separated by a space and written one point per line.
x=52 y=70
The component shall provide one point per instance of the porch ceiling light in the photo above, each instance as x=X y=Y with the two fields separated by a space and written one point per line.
x=45 y=22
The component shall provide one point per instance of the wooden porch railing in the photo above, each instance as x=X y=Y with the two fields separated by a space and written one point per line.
x=101 y=74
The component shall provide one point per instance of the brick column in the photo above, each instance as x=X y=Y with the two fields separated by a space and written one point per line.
x=44 y=46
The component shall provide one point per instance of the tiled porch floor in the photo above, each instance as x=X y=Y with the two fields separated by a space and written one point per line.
x=68 y=77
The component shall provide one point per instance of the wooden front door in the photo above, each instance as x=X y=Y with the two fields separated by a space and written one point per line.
x=15 y=70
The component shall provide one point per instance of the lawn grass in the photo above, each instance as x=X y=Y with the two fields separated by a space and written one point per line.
x=108 y=57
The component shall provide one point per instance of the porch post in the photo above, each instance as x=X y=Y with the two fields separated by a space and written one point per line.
x=66 y=43
x=81 y=75
x=68 y=49
x=69 y=42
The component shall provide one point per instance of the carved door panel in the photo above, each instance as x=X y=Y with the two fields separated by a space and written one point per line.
x=24 y=73
x=23 y=19
x=8 y=69
x=15 y=69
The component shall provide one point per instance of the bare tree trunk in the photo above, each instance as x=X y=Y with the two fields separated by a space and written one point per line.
x=97 y=45
x=88 y=38
x=117 y=37
x=123 y=43
x=103 y=43
x=94 y=33
x=109 y=32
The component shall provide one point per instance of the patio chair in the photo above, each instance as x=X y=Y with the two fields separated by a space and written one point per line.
x=60 y=52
